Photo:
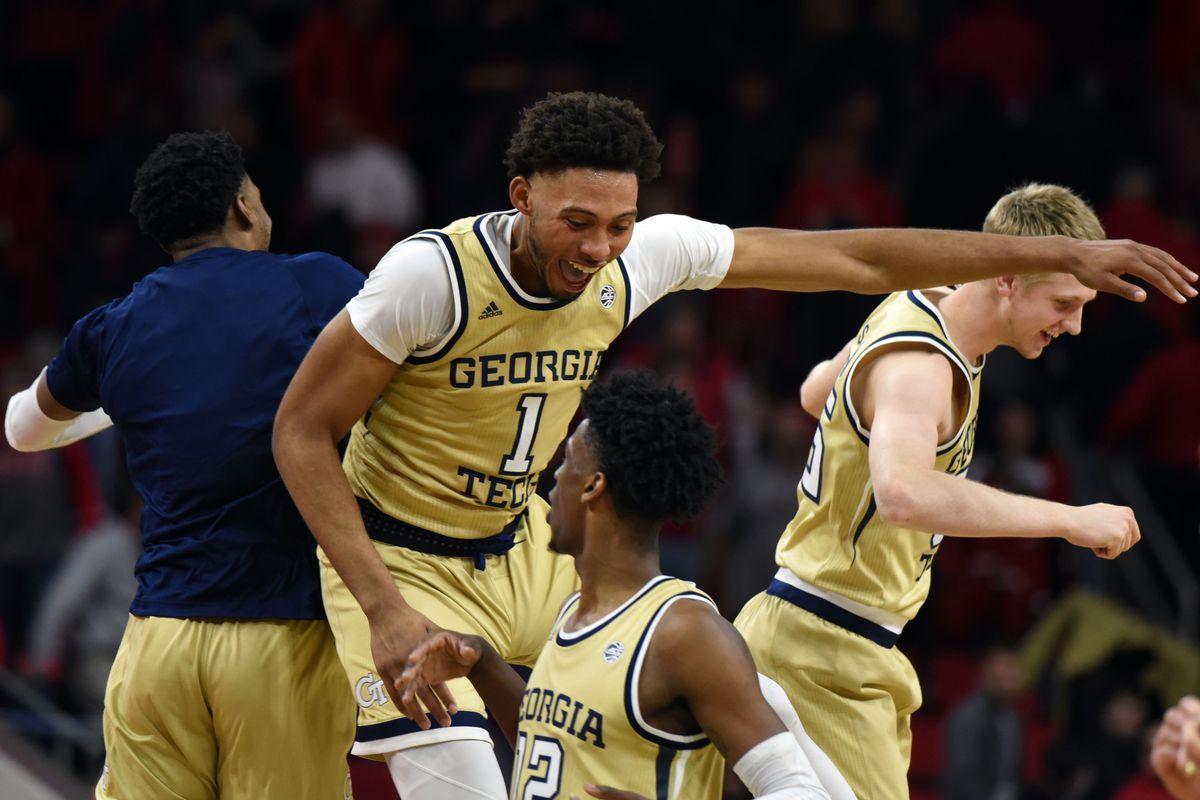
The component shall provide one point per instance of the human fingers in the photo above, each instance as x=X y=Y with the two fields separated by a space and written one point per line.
x=1163 y=271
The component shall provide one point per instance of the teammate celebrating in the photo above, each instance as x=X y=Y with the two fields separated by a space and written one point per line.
x=642 y=684
x=460 y=365
x=227 y=659
x=897 y=412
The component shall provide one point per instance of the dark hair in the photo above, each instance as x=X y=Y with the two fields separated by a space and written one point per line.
x=657 y=453
x=185 y=187
x=583 y=129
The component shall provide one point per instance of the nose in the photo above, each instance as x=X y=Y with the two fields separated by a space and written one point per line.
x=594 y=248
x=1074 y=324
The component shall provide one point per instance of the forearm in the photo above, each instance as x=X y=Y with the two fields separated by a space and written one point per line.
x=929 y=500
x=501 y=688
x=308 y=462
x=877 y=261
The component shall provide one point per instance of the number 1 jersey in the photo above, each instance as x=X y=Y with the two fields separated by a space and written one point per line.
x=457 y=440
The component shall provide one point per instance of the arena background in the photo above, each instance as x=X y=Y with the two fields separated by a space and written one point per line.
x=364 y=121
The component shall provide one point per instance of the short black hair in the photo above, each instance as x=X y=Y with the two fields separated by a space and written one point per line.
x=583 y=129
x=184 y=189
x=657 y=453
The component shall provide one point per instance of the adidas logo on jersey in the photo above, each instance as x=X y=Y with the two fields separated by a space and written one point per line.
x=492 y=310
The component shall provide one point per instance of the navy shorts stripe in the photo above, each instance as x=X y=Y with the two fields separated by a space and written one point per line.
x=831 y=613
x=401 y=727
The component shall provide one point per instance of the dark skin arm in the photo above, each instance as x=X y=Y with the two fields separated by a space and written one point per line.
x=891 y=259
x=699 y=675
x=446 y=655
x=337 y=382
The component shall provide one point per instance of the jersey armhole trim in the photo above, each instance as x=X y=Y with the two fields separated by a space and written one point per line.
x=919 y=337
x=633 y=711
x=628 y=292
x=458 y=291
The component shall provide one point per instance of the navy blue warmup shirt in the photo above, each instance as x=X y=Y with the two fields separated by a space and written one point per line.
x=191 y=366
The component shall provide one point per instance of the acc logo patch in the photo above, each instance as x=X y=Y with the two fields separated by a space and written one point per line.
x=608 y=295
x=613 y=652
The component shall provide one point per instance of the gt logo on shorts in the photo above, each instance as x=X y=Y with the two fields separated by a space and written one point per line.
x=369 y=691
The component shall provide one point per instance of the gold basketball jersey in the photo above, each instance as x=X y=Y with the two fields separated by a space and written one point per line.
x=580 y=721
x=837 y=543
x=458 y=438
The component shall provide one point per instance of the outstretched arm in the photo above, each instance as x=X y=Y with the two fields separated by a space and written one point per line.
x=877 y=261
x=906 y=395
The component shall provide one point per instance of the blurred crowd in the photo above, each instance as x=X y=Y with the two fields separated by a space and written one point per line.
x=364 y=121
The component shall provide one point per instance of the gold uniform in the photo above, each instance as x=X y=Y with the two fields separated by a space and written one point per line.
x=827 y=626
x=446 y=464
x=580 y=721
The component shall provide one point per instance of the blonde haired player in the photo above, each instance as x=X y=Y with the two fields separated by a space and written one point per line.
x=884 y=483
x=460 y=365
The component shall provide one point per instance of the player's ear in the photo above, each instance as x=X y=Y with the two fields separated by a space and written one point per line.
x=243 y=216
x=1005 y=284
x=594 y=486
x=519 y=193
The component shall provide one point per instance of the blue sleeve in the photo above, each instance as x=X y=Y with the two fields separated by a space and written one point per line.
x=327 y=283
x=73 y=375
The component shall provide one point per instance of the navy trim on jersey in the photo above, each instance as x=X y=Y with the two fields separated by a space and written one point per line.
x=831 y=613
x=858 y=532
x=662 y=772
x=628 y=291
x=506 y=279
x=460 y=285
x=405 y=726
x=923 y=303
x=942 y=347
x=596 y=627
x=684 y=741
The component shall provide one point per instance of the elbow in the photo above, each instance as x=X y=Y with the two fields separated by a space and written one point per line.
x=809 y=400
x=896 y=501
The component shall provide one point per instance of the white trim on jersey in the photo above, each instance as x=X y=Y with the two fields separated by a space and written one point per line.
x=932 y=308
x=571 y=636
x=640 y=723
x=885 y=619
x=919 y=337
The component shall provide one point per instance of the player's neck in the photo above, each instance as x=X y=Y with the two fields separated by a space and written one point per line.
x=521 y=258
x=610 y=572
x=236 y=240
x=971 y=319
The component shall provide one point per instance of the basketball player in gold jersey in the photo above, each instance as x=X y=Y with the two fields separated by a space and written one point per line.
x=883 y=485
x=460 y=365
x=643 y=685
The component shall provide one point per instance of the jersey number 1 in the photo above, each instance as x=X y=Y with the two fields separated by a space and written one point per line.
x=519 y=459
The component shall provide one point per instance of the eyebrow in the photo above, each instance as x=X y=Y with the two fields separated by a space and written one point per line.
x=590 y=213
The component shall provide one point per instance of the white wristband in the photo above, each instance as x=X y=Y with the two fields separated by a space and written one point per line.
x=826 y=772
x=28 y=429
x=776 y=769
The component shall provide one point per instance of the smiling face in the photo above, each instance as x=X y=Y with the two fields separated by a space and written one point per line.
x=1040 y=311
x=573 y=478
x=574 y=222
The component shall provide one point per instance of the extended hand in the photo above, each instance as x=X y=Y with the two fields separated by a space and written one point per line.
x=1106 y=529
x=1175 y=751
x=442 y=656
x=1101 y=264
x=393 y=638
